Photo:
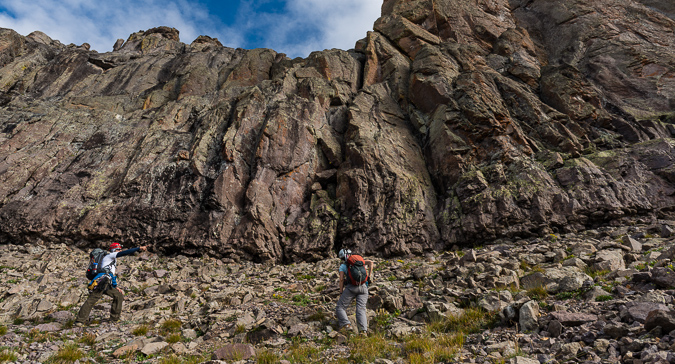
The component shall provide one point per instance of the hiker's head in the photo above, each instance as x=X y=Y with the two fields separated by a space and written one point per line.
x=344 y=253
x=115 y=247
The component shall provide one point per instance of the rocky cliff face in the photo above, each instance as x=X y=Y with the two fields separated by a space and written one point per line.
x=453 y=122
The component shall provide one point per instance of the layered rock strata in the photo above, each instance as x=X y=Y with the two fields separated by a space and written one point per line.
x=454 y=121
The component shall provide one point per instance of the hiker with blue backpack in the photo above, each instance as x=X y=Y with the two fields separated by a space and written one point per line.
x=103 y=281
x=354 y=276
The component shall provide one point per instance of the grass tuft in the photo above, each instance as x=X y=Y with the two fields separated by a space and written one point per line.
x=593 y=273
x=266 y=356
x=537 y=293
x=87 y=339
x=174 y=338
x=319 y=315
x=302 y=352
x=604 y=298
x=7 y=355
x=67 y=354
x=170 y=326
x=240 y=329
x=140 y=330
x=472 y=320
x=39 y=336
x=185 y=359
x=425 y=348
x=365 y=349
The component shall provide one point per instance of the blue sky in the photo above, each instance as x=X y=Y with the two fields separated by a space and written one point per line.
x=294 y=27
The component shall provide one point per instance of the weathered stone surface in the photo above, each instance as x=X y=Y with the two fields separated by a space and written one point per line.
x=523 y=360
x=451 y=124
x=573 y=318
x=609 y=260
x=565 y=279
x=49 y=327
x=529 y=316
x=663 y=277
x=234 y=351
x=615 y=331
x=660 y=317
x=638 y=311
x=153 y=348
x=633 y=244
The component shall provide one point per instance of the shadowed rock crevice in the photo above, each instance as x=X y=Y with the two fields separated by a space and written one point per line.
x=453 y=122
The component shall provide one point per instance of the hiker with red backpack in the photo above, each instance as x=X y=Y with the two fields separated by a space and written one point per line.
x=354 y=276
x=101 y=272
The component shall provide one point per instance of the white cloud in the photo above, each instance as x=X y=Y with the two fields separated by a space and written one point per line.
x=303 y=25
x=314 y=25
x=101 y=23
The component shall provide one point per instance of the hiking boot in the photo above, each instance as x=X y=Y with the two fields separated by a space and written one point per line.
x=363 y=333
x=78 y=324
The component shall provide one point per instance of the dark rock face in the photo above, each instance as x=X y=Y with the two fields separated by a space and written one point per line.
x=450 y=124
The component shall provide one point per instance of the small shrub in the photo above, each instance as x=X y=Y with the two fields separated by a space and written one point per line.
x=66 y=355
x=545 y=306
x=365 y=349
x=69 y=324
x=604 y=298
x=7 y=355
x=240 y=329
x=567 y=295
x=537 y=293
x=302 y=352
x=382 y=320
x=266 y=357
x=538 y=268
x=87 y=339
x=39 y=336
x=472 y=320
x=319 y=315
x=427 y=349
x=140 y=330
x=593 y=273
x=170 y=326
x=301 y=300
x=3 y=330
x=320 y=288
x=173 y=359
x=524 y=266
x=174 y=338
x=18 y=321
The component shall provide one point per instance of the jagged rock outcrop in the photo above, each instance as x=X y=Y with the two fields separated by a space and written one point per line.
x=448 y=124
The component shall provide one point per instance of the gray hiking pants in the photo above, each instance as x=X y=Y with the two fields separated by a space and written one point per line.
x=361 y=294
x=115 y=307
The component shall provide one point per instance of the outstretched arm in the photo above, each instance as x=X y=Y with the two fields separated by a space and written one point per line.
x=132 y=251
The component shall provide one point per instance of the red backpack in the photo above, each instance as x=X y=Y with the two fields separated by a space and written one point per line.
x=356 y=270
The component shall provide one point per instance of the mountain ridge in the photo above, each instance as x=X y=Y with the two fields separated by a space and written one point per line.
x=463 y=122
